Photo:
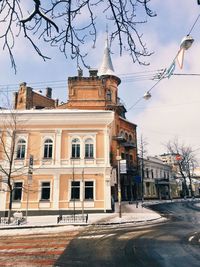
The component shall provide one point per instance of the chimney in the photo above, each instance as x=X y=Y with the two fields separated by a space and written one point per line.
x=15 y=96
x=93 y=72
x=48 y=92
x=22 y=84
x=80 y=72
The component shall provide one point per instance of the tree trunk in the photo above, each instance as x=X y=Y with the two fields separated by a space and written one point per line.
x=10 y=207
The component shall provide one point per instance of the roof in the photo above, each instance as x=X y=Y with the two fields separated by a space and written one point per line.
x=106 y=68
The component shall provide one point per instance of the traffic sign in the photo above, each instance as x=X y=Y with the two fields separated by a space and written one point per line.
x=123 y=166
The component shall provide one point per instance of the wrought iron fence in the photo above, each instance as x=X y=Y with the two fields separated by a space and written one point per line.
x=72 y=218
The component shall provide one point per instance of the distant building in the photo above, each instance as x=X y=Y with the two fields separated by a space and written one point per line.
x=170 y=159
x=27 y=98
x=158 y=179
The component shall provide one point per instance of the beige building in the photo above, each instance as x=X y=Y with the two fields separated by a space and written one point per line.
x=71 y=161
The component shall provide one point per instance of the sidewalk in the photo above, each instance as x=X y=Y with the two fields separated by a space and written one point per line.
x=130 y=214
x=47 y=224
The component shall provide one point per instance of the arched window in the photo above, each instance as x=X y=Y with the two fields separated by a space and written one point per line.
x=130 y=138
x=21 y=148
x=122 y=134
x=89 y=148
x=48 y=148
x=108 y=95
x=75 y=148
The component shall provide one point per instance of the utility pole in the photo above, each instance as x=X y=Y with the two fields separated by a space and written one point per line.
x=142 y=153
x=74 y=200
x=83 y=195
x=29 y=180
x=118 y=158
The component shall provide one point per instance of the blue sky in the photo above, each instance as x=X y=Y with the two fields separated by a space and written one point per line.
x=173 y=110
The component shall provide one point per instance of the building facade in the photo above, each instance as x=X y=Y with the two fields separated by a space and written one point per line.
x=158 y=179
x=70 y=152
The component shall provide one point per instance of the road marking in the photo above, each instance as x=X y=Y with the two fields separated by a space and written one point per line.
x=94 y=236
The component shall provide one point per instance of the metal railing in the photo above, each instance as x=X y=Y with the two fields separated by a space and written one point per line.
x=72 y=218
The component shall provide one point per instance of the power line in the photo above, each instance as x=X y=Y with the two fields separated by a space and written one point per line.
x=165 y=72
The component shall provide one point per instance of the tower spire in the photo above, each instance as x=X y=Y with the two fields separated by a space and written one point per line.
x=106 y=68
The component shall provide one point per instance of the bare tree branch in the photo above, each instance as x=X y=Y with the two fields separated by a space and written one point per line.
x=186 y=162
x=71 y=25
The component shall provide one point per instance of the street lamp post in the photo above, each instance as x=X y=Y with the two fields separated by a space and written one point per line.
x=29 y=180
x=74 y=200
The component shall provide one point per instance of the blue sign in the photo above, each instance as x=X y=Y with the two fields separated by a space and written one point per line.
x=138 y=179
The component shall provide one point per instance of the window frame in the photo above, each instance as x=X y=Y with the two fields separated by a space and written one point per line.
x=81 y=190
x=49 y=144
x=90 y=143
x=19 y=188
x=88 y=187
x=109 y=95
x=45 y=187
x=21 y=148
x=75 y=148
x=76 y=187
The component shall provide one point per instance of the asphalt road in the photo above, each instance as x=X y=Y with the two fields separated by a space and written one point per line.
x=175 y=243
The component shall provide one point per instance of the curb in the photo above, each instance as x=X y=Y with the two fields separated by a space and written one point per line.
x=89 y=224
x=129 y=222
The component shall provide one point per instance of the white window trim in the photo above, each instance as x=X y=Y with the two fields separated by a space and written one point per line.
x=22 y=197
x=25 y=138
x=82 y=196
x=82 y=137
x=94 y=145
x=40 y=190
x=44 y=137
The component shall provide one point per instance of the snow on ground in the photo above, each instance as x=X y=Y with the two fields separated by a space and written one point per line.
x=48 y=224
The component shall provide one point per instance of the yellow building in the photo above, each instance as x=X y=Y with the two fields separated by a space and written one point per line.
x=71 y=160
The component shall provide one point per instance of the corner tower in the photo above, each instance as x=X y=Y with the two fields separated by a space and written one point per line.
x=98 y=91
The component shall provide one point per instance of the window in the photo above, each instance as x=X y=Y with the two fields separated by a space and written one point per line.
x=147 y=173
x=122 y=155
x=152 y=174
x=45 y=191
x=89 y=148
x=75 y=190
x=75 y=148
x=130 y=138
x=108 y=95
x=89 y=190
x=17 y=191
x=48 y=147
x=21 y=147
x=122 y=134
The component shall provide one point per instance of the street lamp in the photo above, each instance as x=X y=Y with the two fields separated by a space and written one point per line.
x=147 y=96
x=186 y=42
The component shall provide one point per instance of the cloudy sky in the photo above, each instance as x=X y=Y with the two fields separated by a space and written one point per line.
x=173 y=110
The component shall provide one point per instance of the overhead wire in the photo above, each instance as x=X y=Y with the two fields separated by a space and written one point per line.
x=163 y=75
x=126 y=77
